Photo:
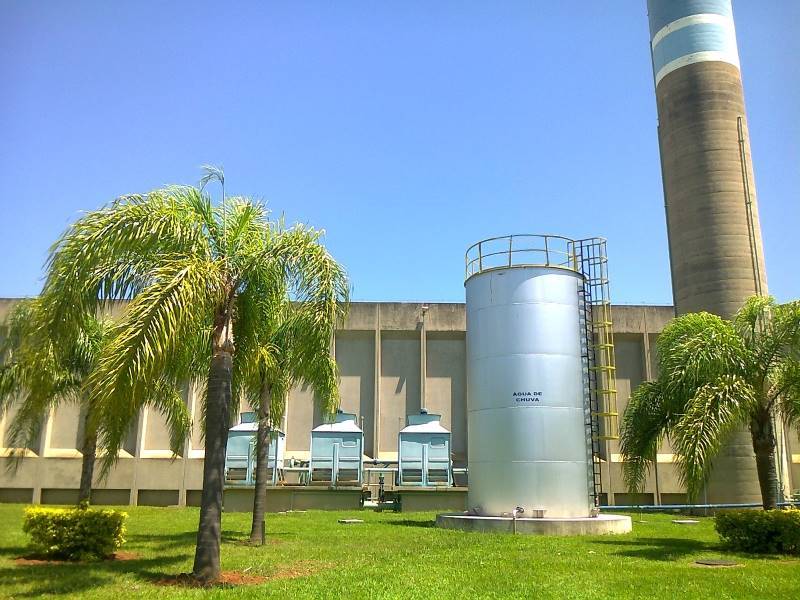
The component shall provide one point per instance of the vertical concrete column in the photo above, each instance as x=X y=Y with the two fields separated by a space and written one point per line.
x=377 y=428
x=647 y=375
x=423 y=353
x=714 y=235
x=141 y=431
x=42 y=454
x=190 y=393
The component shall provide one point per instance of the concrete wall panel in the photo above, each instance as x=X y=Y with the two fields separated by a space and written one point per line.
x=399 y=384
x=67 y=427
x=355 y=355
x=630 y=371
x=156 y=433
x=5 y=425
x=445 y=386
x=301 y=417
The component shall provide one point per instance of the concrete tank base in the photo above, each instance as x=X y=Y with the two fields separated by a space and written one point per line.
x=599 y=525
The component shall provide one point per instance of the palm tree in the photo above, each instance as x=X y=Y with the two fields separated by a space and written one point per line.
x=38 y=375
x=716 y=376
x=194 y=274
x=293 y=347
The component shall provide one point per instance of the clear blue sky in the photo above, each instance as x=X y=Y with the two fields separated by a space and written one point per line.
x=408 y=130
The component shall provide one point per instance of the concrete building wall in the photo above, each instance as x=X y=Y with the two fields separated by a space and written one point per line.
x=384 y=368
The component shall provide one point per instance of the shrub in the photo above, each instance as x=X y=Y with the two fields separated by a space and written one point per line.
x=79 y=533
x=760 y=531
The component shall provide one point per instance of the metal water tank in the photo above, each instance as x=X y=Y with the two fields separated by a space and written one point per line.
x=529 y=446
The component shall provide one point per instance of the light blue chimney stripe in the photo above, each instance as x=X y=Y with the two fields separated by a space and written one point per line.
x=664 y=12
x=703 y=37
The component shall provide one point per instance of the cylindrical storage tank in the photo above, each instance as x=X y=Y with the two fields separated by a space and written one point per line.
x=528 y=444
x=716 y=254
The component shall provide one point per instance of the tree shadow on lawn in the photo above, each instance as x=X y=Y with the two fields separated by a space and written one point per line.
x=184 y=539
x=660 y=549
x=70 y=578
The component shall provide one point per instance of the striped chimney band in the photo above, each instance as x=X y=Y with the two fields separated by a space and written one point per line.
x=684 y=32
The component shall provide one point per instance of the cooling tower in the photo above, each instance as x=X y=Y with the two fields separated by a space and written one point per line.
x=715 y=245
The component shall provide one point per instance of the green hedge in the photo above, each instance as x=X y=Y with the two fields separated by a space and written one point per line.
x=79 y=533
x=760 y=531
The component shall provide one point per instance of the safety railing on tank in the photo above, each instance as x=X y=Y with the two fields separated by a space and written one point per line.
x=521 y=250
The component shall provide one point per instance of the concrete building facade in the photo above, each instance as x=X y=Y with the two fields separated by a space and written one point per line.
x=394 y=359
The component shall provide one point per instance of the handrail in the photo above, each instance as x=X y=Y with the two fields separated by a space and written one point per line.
x=551 y=250
x=522 y=235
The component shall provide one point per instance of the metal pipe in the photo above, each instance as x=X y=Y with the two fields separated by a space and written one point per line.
x=748 y=203
x=665 y=507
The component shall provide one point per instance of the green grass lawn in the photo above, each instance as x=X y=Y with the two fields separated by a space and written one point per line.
x=393 y=555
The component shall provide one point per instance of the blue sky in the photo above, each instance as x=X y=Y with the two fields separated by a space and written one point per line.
x=408 y=130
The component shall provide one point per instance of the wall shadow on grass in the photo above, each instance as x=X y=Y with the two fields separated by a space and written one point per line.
x=412 y=523
x=659 y=549
x=73 y=578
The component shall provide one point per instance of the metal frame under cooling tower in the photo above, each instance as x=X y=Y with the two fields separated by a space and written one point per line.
x=588 y=258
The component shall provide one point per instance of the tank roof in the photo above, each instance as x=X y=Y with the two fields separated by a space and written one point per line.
x=250 y=427
x=345 y=422
x=434 y=427
x=424 y=422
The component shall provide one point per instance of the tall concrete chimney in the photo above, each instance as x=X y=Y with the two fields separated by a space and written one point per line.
x=716 y=253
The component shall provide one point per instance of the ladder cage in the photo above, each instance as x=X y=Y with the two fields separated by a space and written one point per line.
x=599 y=368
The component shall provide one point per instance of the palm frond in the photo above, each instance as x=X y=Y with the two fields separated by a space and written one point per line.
x=36 y=374
x=112 y=421
x=211 y=173
x=245 y=228
x=780 y=340
x=786 y=390
x=286 y=316
x=717 y=409
x=178 y=304
x=645 y=422
x=696 y=349
x=313 y=275
x=109 y=253
x=750 y=320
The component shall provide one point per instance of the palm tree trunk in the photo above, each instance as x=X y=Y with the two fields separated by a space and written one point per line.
x=218 y=399
x=262 y=460
x=89 y=451
x=763 y=435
